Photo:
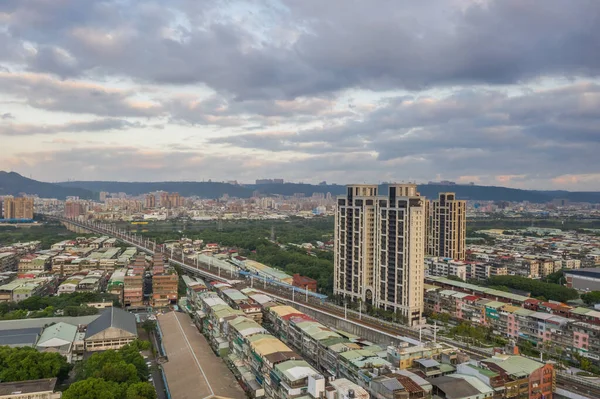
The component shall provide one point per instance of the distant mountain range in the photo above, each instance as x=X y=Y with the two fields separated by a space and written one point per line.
x=12 y=183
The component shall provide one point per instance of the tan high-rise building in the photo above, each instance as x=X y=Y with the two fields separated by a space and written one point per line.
x=354 y=257
x=380 y=248
x=175 y=200
x=150 y=201
x=447 y=230
x=18 y=208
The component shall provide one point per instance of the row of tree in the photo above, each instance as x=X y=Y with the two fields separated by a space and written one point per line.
x=50 y=306
x=113 y=374
x=537 y=288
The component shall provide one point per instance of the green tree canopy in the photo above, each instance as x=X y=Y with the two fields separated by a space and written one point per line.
x=21 y=364
x=141 y=390
x=535 y=287
x=93 y=388
x=591 y=298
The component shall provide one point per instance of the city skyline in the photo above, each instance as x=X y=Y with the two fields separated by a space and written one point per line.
x=495 y=92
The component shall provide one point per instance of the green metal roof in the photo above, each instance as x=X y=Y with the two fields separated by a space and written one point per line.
x=60 y=331
x=581 y=311
x=485 y=372
x=515 y=365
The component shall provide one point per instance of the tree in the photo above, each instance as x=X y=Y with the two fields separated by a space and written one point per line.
x=21 y=364
x=149 y=326
x=141 y=390
x=591 y=298
x=93 y=388
x=536 y=288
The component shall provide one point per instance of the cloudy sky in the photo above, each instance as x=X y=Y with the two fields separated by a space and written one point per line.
x=497 y=92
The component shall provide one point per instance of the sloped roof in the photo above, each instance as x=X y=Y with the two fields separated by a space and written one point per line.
x=515 y=364
x=57 y=335
x=112 y=317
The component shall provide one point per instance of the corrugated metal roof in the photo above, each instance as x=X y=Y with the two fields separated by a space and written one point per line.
x=61 y=333
x=112 y=317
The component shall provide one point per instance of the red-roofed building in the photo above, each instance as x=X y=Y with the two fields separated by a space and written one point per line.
x=532 y=304
x=559 y=309
x=304 y=282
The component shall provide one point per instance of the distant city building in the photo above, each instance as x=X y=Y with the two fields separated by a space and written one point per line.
x=379 y=248
x=150 y=201
x=103 y=196
x=269 y=181
x=447 y=227
x=74 y=209
x=18 y=208
x=171 y=200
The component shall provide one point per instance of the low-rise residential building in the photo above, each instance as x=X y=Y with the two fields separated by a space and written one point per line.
x=23 y=288
x=30 y=389
x=538 y=378
x=304 y=282
x=133 y=289
x=164 y=289
x=8 y=261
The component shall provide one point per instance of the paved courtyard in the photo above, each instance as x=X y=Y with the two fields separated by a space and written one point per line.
x=193 y=370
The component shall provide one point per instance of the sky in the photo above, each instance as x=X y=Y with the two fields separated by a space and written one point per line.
x=495 y=92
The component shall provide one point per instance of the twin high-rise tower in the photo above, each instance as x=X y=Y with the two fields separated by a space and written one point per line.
x=381 y=242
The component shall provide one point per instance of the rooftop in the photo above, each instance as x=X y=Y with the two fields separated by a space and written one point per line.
x=25 y=387
x=514 y=365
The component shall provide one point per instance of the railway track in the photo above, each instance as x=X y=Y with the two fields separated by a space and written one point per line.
x=569 y=383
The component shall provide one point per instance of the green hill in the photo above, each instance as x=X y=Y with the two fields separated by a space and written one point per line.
x=12 y=183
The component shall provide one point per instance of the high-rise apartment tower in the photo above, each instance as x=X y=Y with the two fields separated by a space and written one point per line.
x=447 y=227
x=18 y=208
x=380 y=248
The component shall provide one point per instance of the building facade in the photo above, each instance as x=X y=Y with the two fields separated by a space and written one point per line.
x=447 y=227
x=380 y=248
x=18 y=208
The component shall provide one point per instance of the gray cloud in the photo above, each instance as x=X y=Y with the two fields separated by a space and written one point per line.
x=6 y=115
x=43 y=92
x=308 y=47
x=547 y=133
x=14 y=129
x=280 y=70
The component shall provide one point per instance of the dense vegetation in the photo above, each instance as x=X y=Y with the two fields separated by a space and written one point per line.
x=22 y=364
x=538 y=289
x=591 y=298
x=120 y=374
x=50 y=306
x=294 y=260
x=252 y=240
x=242 y=233
x=48 y=233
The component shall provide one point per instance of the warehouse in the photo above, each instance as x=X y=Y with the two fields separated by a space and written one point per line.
x=114 y=329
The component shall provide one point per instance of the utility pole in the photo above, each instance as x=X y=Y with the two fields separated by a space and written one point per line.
x=434 y=331
x=306 y=292
x=360 y=310
x=345 y=310
x=293 y=291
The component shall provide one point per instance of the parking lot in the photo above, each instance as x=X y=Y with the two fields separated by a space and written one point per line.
x=193 y=370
